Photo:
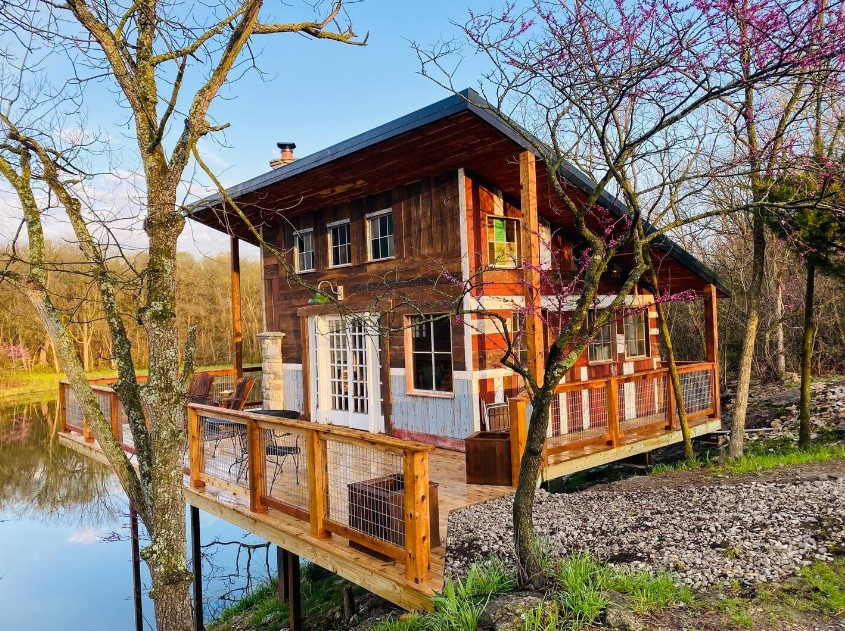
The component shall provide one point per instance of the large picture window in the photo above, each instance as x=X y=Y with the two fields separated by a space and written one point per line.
x=303 y=243
x=503 y=241
x=600 y=349
x=636 y=334
x=340 y=244
x=431 y=354
x=380 y=226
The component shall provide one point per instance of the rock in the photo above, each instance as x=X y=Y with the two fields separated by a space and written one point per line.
x=507 y=612
x=619 y=615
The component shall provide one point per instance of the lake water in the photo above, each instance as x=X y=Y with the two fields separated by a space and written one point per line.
x=65 y=554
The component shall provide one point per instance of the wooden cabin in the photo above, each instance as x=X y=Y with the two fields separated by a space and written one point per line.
x=385 y=218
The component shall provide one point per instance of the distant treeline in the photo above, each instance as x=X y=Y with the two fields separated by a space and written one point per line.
x=203 y=295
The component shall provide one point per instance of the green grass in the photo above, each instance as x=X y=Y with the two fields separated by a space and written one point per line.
x=763 y=455
x=826 y=586
x=737 y=610
x=650 y=592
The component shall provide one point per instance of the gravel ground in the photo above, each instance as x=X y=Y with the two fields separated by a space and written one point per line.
x=705 y=535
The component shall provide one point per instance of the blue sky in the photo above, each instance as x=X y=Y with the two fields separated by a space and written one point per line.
x=317 y=93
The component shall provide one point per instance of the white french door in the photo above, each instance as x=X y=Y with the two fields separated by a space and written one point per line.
x=345 y=373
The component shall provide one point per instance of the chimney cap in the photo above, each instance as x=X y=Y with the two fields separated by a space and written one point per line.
x=286 y=145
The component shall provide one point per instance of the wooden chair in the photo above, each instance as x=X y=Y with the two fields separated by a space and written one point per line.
x=200 y=387
x=241 y=393
x=496 y=416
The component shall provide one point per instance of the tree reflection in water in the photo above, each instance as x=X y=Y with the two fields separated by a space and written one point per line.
x=41 y=479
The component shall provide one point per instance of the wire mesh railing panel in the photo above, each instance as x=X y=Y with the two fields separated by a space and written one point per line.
x=73 y=411
x=642 y=401
x=578 y=415
x=223 y=444
x=365 y=490
x=104 y=401
x=286 y=465
x=696 y=387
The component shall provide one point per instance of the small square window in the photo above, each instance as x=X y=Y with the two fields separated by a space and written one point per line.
x=431 y=354
x=600 y=349
x=340 y=244
x=503 y=241
x=303 y=243
x=381 y=236
x=636 y=334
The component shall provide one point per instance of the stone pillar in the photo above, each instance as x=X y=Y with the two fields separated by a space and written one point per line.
x=273 y=370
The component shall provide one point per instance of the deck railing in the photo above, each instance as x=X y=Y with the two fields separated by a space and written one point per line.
x=370 y=489
x=604 y=411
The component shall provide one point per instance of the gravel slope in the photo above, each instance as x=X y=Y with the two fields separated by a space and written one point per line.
x=708 y=534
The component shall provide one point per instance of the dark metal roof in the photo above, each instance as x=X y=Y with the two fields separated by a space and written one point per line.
x=466 y=100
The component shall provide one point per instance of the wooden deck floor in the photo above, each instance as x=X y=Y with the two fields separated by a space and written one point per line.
x=387 y=578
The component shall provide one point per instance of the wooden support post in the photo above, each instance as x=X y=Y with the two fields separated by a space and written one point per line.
x=672 y=420
x=294 y=592
x=317 y=484
x=283 y=589
x=417 y=517
x=531 y=264
x=136 y=568
x=196 y=449
x=711 y=338
x=256 y=467
x=613 y=426
x=519 y=437
x=115 y=422
x=63 y=406
x=237 y=326
x=196 y=562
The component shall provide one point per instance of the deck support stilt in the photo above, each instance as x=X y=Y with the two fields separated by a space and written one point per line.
x=196 y=562
x=294 y=591
x=283 y=590
x=136 y=568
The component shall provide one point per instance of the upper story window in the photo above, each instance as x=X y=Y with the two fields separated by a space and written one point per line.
x=600 y=349
x=380 y=230
x=545 y=245
x=636 y=334
x=431 y=354
x=503 y=241
x=340 y=243
x=303 y=243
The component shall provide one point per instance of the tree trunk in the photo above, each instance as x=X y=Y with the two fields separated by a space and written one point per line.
x=529 y=572
x=804 y=428
x=746 y=359
x=780 y=351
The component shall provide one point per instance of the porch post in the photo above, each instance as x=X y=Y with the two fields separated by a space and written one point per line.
x=531 y=264
x=711 y=339
x=272 y=370
x=237 y=327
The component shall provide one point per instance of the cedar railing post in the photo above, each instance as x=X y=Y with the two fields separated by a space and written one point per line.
x=671 y=412
x=613 y=411
x=115 y=424
x=518 y=435
x=317 y=483
x=417 y=516
x=256 y=467
x=63 y=406
x=195 y=448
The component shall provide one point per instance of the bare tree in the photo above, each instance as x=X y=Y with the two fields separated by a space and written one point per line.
x=169 y=63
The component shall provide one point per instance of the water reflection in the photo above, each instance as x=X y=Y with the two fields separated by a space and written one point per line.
x=42 y=479
x=64 y=529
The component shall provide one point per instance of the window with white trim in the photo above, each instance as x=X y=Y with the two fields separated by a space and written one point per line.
x=503 y=241
x=636 y=334
x=519 y=341
x=303 y=243
x=600 y=348
x=545 y=245
x=340 y=244
x=431 y=354
x=380 y=228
